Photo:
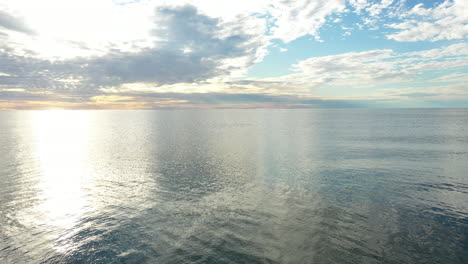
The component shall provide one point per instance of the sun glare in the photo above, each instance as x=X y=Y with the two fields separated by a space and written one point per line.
x=61 y=139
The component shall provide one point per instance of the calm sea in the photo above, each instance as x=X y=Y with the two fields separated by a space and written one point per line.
x=234 y=186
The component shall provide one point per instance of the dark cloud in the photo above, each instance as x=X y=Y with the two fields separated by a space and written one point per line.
x=255 y=100
x=156 y=66
x=188 y=100
x=37 y=74
x=179 y=29
x=10 y=22
x=418 y=94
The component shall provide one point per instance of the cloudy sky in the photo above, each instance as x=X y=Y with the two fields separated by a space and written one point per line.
x=143 y=54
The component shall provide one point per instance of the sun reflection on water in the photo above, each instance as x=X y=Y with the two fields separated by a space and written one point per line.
x=62 y=145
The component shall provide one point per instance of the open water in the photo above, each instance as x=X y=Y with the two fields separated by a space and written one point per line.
x=234 y=186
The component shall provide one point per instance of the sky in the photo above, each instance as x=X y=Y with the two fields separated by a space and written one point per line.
x=144 y=54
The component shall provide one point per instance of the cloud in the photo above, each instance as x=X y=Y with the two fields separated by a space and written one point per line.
x=154 y=53
x=370 y=71
x=361 y=75
x=71 y=29
x=358 y=5
x=383 y=64
x=377 y=8
x=418 y=94
x=10 y=22
x=351 y=66
x=153 y=100
x=189 y=47
x=294 y=19
x=76 y=28
x=446 y=21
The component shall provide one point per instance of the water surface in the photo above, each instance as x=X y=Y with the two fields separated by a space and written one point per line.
x=234 y=186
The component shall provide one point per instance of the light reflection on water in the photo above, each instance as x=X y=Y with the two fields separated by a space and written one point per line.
x=61 y=147
x=234 y=186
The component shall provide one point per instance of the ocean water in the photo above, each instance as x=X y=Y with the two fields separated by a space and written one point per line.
x=234 y=186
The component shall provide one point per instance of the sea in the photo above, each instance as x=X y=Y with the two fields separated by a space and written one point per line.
x=234 y=186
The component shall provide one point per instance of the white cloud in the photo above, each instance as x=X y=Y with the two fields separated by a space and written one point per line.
x=372 y=69
x=377 y=8
x=446 y=21
x=457 y=77
x=67 y=29
x=294 y=19
x=358 y=5
x=337 y=20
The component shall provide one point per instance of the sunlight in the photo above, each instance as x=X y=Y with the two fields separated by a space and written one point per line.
x=61 y=139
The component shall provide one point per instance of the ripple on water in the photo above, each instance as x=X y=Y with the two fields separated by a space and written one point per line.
x=289 y=186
